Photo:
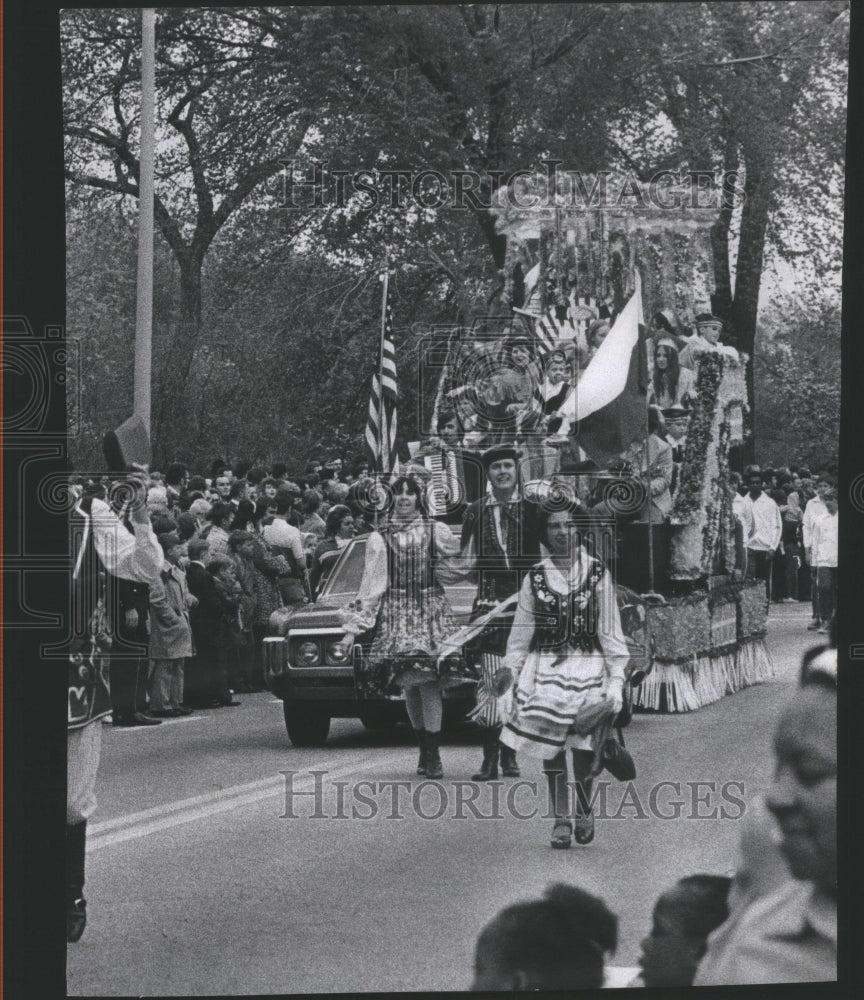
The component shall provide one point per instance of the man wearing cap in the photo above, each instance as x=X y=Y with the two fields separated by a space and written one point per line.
x=763 y=528
x=170 y=631
x=500 y=540
x=677 y=420
x=708 y=330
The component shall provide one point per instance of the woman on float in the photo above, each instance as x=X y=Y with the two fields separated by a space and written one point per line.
x=401 y=591
x=567 y=654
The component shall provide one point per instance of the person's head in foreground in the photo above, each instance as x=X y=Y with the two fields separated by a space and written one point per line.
x=803 y=796
x=559 y=942
x=683 y=918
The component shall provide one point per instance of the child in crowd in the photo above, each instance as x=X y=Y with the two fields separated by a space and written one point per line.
x=684 y=916
x=558 y=942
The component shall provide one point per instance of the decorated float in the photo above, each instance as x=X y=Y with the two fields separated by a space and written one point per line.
x=575 y=246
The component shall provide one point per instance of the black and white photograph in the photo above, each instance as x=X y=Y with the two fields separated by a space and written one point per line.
x=436 y=456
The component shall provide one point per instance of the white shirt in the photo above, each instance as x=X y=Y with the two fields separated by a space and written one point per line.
x=763 y=526
x=738 y=508
x=824 y=541
x=285 y=536
x=814 y=510
x=136 y=557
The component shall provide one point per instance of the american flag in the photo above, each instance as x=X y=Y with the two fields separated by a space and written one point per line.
x=381 y=422
x=565 y=322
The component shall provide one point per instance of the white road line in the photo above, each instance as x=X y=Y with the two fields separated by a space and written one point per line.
x=149 y=729
x=141 y=824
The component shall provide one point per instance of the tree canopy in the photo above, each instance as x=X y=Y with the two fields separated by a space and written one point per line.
x=266 y=315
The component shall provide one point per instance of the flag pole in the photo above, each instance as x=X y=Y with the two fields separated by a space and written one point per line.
x=144 y=303
x=638 y=288
x=381 y=407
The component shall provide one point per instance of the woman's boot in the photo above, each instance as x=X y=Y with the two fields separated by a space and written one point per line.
x=583 y=814
x=556 y=778
x=434 y=768
x=509 y=767
x=421 y=741
x=489 y=768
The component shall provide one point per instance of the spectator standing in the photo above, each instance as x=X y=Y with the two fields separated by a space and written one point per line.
x=267 y=568
x=241 y=546
x=209 y=666
x=287 y=540
x=312 y=522
x=763 y=528
x=170 y=631
x=824 y=556
x=793 y=517
x=338 y=531
x=814 y=510
x=216 y=533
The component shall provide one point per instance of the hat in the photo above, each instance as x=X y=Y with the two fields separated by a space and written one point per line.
x=498 y=452
x=676 y=412
x=708 y=319
x=665 y=320
x=168 y=540
x=666 y=342
x=753 y=470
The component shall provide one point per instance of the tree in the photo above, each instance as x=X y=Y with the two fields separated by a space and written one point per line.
x=485 y=88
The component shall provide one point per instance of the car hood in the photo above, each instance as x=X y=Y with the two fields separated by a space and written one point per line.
x=316 y=616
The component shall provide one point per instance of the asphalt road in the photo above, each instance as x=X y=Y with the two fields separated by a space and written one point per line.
x=200 y=882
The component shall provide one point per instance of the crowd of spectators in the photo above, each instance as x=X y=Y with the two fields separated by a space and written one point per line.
x=237 y=544
x=789 y=522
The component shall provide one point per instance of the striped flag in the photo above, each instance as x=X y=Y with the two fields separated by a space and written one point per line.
x=565 y=322
x=381 y=421
x=608 y=407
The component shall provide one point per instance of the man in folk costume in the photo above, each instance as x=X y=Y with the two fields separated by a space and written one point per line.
x=105 y=553
x=500 y=541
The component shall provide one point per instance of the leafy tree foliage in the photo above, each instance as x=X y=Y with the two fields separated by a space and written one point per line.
x=266 y=319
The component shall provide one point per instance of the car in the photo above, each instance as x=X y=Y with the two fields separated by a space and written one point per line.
x=306 y=666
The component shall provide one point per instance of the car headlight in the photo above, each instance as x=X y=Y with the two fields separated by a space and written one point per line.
x=335 y=653
x=308 y=654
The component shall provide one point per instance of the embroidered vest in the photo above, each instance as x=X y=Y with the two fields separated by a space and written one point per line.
x=570 y=622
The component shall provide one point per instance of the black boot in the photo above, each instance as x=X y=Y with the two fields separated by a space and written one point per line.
x=489 y=768
x=421 y=742
x=76 y=905
x=509 y=767
x=583 y=815
x=556 y=778
x=434 y=768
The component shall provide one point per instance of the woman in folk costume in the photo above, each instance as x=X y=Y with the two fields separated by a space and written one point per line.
x=568 y=655
x=401 y=592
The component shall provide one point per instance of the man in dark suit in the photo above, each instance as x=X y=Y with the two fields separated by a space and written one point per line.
x=500 y=539
x=210 y=664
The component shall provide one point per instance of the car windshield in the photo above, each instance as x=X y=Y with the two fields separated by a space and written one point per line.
x=344 y=582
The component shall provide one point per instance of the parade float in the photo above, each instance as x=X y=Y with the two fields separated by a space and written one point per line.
x=574 y=245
